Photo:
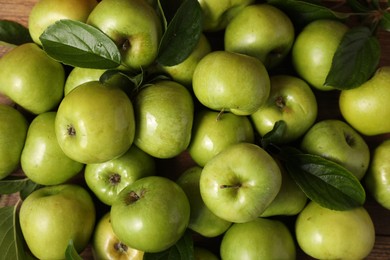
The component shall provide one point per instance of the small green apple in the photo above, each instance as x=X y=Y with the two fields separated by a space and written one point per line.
x=253 y=31
x=95 y=123
x=366 y=108
x=151 y=214
x=201 y=253
x=13 y=132
x=323 y=233
x=107 y=179
x=337 y=141
x=291 y=100
x=240 y=182
x=78 y=76
x=42 y=154
x=260 y=238
x=164 y=114
x=53 y=215
x=30 y=78
x=314 y=48
x=232 y=82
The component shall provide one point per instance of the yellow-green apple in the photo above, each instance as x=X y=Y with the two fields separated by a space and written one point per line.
x=232 y=82
x=323 y=233
x=240 y=182
x=377 y=178
x=107 y=179
x=365 y=108
x=201 y=253
x=292 y=100
x=137 y=31
x=164 y=112
x=42 y=154
x=337 y=141
x=314 y=48
x=79 y=75
x=218 y=13
x=30 y=78
x=13 y=132
x=107 y=246
x=255 y=32
x=46 y=12
x=95 y=123
x=52 y=216
x=260 y=238
x=213 y=131
x=202 y=220
x=151 y=214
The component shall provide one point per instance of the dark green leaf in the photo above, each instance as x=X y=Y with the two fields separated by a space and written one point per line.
x=29 y=188
x=385 y=22
x=323 y=181
x=71 y=253
x=13 y=33
x=9 y=186
x=357 y=6
x=274 y=135
x=355 y=60
x=182 y=34
x=80 y=45
x=127 y=81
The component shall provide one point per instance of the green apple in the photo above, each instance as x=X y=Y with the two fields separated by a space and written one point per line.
x=137 y=31
x=46 y=12
x=260 y=238
x=95 y=123
x=202 y=220
x=314 y=48
x=107 y=246
x=337 y=141
x=218 y=13
x=164 y=113
x=13 y=132
x=377 y=178
x=78 y=76
x=201 y=253
x=151 y=214
x=30 y=78
x=240 y=182
x=42 y=154
x=323 y=233
x=214 y=131
x=255 y=32
x=232 y=82
x=366 y=108
x=107 y=179
x=53 y=215
x=291 y=100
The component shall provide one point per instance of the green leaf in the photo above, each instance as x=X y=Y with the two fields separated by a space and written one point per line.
x=13 y=33
x=80 y=45
x=323 y=181
x=274 y=135
x=355 y=60
x=9 y=186
x=385 y=22
x=182 y=34
x=71 y=253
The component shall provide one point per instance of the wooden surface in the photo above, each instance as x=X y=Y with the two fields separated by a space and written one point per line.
x=18 y=10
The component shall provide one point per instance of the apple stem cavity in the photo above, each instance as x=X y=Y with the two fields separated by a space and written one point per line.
x=349 y=139
x=120 y=247
x=234 y=186
x=132 y=197
x=71 y=130
x=279 y=101
x=114 y=179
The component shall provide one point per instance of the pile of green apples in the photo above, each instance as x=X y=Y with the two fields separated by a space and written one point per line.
x=100 y=140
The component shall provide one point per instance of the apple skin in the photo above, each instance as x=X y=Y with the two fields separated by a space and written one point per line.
x=13 y=132
x=77 y=76
x=323 y=233
x=164 y=113
x=337 y=141
x=260 y=238
x=366 y=108
x=314 y=48
x=291 y=100
x=53 y=215
x=202 y=220
x=30 y=78
x=107 y=179
x=107 y=246
x=253 y=31
x=218 y=75
x=46 y=12
x=240 y=182
x=137 y=31
x=377 y=178
x=213 y=131
x=201 y=253
x=95 y=123
x=42 y=155
x=151 y=214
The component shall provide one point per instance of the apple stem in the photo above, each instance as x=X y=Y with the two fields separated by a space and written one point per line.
x=220 y=114
x=71 y=130
x=235 y=186
x=132 y=197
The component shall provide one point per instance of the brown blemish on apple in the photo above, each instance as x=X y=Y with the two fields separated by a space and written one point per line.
x=133 y=197
x=120 y=247
x=71 y=130
x=114 y=179
x=349 y=139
